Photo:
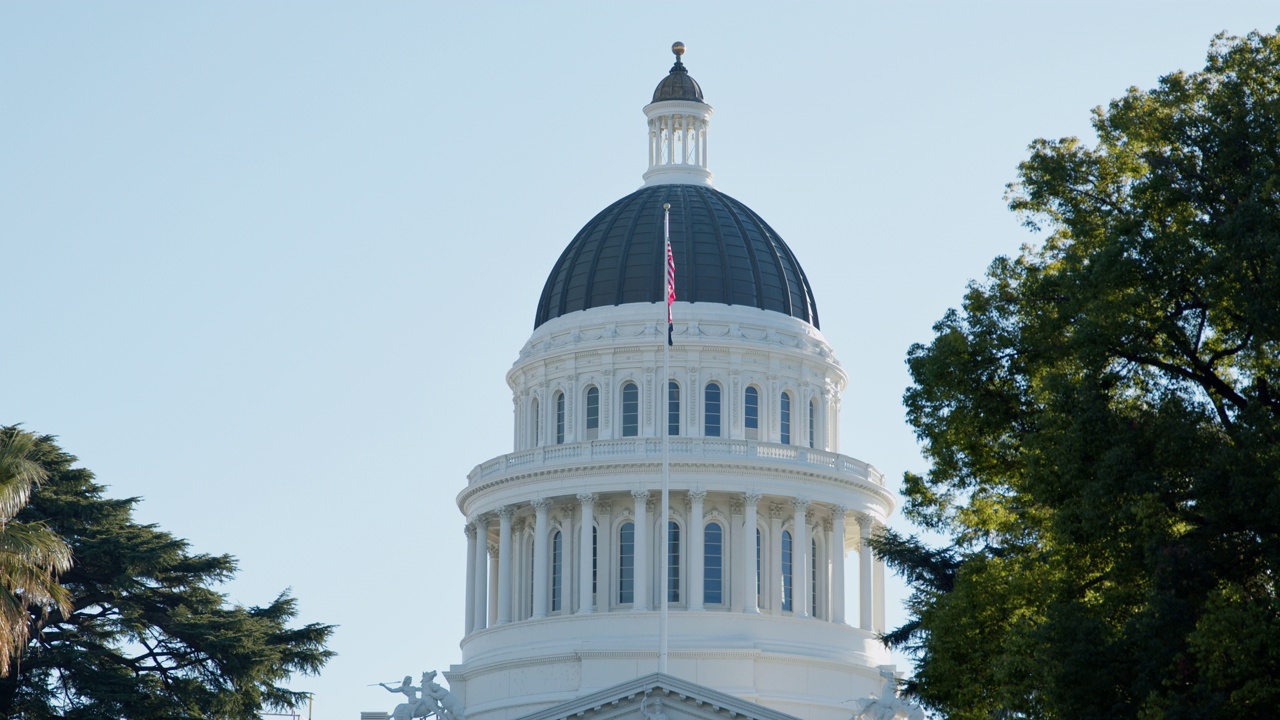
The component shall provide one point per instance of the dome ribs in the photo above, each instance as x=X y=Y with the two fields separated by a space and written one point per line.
x=782 y=282
x=797 y=281
x=725 y=253
x=609 y=266
x=635 y=280
x=760 y=298
x=714 y=280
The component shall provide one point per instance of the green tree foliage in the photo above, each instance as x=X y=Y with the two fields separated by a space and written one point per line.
x=1102 y=421
x=30 y=554
x=147 y=635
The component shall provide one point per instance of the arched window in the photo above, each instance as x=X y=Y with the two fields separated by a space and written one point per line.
x=784 y=403
x=630 y=410
x=593 y=413
x=536 y=423
x=711 y=413
x=559 y=418
x=713 y=564
x=557 y=571
x=813 y=414
x=813 y=578
x=751 y=413
x=786 y=569
x=627 y=563
x=673 y=562
x=673 y=408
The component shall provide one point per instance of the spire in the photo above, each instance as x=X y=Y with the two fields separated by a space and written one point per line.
x=678 y=117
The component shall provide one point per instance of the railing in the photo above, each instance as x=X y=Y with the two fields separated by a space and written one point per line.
x=681 y=448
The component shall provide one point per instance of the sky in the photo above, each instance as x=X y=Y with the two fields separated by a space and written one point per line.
x=266 y=265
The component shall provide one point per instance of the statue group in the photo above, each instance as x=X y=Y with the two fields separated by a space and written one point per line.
x=425 y=701
x=887 y=705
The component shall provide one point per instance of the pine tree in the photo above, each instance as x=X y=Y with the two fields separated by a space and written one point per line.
x=147 y=634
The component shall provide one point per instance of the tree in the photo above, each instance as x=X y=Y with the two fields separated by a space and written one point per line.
x=147 y=635
x=30 y=554
x=1102 y=422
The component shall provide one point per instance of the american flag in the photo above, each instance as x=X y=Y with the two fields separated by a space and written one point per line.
x=671 y=276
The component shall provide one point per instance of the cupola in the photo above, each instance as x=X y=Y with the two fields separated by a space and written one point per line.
x=678 y=118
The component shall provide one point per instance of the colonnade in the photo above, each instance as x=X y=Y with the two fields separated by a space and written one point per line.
x=678 y=139
x=521 y=558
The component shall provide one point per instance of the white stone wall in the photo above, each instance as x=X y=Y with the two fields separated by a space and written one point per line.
x=522 y=652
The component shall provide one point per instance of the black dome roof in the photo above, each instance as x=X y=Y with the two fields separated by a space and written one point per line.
x=724 y=253
x=678 y=85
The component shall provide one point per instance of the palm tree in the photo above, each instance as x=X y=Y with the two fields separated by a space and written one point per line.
x=31 y=555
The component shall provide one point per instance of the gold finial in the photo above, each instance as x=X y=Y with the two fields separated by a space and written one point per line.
x=666 y=206
x=677 y=47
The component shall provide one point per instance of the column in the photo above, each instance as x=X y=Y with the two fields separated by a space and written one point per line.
x=470 y=531
x=671 y=124
x=651 y=142
x=492 y=609
x=864 y=573
x=799 y=560
x=566 y=565
x=695 y=144
x=697 y=552
x=877 y=614
x=504 y=564
x=837 y=563
x=643 y=570
x=540 y=557
x=706 y=135
x=481 y=561
x=828 y=420
x=751 y=602
x=587 y=501
x=773 y=581
x=687 y=156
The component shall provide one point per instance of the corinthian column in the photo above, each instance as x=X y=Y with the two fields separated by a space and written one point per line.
x=864 y=573
x=837 y=563
x=585 y=599
x=750 y=565
x=470 y=531
x=697 y=553
x=642 y=569
x=799 y=560
x=774 y=576
x=504 y=564
x=481 y=562
x=540 y=557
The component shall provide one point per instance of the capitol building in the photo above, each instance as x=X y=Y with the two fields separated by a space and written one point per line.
x=772 y=601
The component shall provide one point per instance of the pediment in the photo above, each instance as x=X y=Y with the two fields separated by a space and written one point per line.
x=638 y=700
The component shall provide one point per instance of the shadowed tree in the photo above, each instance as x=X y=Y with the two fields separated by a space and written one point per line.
x=1103 y=426
x=30 y=554
x=147 y=635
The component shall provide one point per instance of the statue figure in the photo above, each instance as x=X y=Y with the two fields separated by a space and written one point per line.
x=887 y=705
x=654 y=714
x=417 y=707
x=448 y=705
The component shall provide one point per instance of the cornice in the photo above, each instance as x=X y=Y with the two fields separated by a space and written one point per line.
x=749 y=467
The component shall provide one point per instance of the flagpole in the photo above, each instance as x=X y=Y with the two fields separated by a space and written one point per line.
x=666 y=446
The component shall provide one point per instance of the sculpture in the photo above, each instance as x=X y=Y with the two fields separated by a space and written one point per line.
x=417 y=707
x=448 y=706
x=656 y=713
x=887 y=706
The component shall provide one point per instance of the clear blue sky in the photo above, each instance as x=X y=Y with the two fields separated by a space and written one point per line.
x=265 y=265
